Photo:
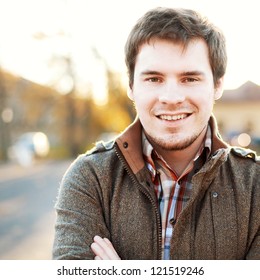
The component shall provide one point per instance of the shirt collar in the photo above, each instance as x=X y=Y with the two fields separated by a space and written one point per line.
x=150 y=154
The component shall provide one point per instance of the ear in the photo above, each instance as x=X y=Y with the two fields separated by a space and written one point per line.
x=219 y=88
x=130 y=93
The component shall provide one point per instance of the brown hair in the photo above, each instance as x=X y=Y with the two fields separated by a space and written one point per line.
x=180 y=26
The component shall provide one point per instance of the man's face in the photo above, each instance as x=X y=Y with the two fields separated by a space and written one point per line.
x=173 y=92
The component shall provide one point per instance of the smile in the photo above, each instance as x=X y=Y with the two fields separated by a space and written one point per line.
x=173 y=118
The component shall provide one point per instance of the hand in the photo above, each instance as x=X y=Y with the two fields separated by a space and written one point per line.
x=103 y=249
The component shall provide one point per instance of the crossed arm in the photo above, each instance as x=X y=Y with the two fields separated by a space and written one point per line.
x=103 y=249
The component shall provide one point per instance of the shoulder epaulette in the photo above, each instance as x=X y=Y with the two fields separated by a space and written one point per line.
x=101 y=146
x=246 y=153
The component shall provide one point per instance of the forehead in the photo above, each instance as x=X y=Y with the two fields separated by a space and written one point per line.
x=169 y=55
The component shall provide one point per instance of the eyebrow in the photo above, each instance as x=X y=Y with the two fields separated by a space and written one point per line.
x=150 y=72
x=192 y=73
x=184 y=73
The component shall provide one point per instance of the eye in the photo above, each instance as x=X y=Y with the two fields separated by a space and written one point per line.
x=190 y=80
x=154 y=80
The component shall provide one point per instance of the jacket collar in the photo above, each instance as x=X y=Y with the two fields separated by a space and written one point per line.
x=130 y=143
x=217 y=141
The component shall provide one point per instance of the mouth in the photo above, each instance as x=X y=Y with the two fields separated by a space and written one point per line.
x=178 y=117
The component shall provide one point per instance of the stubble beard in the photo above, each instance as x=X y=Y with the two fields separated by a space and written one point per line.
x=173 y=143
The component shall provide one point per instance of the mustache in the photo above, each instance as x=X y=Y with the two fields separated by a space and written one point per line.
x=170 y=109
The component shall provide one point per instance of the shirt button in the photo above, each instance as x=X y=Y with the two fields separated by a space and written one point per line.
x=214 y=194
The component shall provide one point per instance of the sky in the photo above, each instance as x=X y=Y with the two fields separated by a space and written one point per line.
x=36 y=34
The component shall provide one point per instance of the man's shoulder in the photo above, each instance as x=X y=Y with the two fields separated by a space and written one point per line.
x=244 y=153
x=242 y=169
x=101 y=147
x=102 y=154
x=246 y=161
x=99 y=159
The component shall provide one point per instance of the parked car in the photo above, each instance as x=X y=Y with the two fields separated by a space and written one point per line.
x=29 y=146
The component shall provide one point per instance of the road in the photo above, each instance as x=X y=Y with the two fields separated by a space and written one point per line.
x=27 y=216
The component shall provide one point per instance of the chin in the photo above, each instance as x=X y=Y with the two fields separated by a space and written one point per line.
x=173 y=143
x=176 y=146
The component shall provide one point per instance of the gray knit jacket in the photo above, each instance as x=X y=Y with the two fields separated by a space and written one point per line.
x=108 y=192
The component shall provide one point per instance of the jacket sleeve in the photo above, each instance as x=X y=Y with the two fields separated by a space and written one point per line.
x=79 y=213
x=254 y=252
x=254 y=235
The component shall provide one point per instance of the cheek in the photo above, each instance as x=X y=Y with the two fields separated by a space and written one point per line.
x=143 y=101
x=206 y=107
x=204 y=100
x=142 y=107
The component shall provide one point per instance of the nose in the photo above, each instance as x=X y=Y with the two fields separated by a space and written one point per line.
x=171 y=93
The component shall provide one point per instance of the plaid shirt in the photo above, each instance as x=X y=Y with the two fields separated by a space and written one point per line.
x=173 y=192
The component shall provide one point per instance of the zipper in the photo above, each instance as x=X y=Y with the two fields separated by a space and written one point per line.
x=134 y=180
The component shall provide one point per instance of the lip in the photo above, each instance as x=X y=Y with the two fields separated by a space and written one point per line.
x=174 y=119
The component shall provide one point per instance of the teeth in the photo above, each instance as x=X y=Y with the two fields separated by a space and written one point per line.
x=173 y=118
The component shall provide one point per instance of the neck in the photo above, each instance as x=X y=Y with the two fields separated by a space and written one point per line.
x=178 y=160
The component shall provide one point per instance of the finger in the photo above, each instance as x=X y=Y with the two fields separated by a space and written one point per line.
x=110 y=245
x=104 y=249
x=108 y=242
x=99 y=251
x=108 y=250
x=106 y=245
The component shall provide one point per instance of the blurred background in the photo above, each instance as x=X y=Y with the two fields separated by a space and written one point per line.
x=63 y=87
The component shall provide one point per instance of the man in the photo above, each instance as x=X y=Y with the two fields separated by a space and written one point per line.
x=168 y=187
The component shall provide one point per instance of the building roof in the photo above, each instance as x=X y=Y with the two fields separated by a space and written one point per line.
x=249 y=91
